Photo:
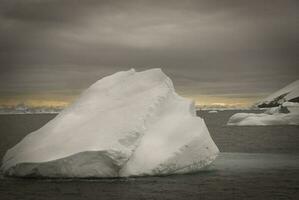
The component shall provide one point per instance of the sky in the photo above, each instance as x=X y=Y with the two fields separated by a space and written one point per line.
x=229 y=52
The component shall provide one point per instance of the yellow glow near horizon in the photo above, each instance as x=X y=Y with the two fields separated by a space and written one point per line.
x=38 y=101
x=223 y=101
x=63 y=101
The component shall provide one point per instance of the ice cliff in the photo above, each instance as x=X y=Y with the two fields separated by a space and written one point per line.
x=127 y=124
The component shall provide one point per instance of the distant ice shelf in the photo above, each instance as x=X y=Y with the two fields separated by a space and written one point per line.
x=25 y=109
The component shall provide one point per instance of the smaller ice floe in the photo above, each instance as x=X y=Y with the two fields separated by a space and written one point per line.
x=286 y=114
x=213 y=111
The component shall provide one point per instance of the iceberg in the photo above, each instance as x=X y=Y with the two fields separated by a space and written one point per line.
x=281 y=108
x=289 y=93
x=126 y=124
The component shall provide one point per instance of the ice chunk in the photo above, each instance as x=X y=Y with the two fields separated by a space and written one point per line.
x=127 y=124
x=213 y=111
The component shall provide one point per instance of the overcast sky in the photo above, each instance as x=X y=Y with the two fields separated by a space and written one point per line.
x=214 y=51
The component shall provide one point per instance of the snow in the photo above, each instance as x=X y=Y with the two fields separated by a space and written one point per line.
x=252 y=119
x=288 y=93
x=127 y=124
x=282 y=115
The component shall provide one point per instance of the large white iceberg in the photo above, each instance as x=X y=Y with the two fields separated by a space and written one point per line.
x=127 y=124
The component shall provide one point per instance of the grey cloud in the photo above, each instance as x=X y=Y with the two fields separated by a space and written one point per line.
x=207 y=47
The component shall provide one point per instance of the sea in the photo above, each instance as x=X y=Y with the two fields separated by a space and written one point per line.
x=256 y=162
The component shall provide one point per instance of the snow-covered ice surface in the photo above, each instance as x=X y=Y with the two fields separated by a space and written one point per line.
x=288 y=93
x=287 y=114
x=262 y=119
x=127 y=124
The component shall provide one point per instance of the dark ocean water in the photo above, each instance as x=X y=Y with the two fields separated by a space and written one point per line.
x=255 y=163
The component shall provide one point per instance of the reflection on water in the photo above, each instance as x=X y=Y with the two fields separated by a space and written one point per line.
x=254 y=161
x=232 y=163
x=231 y=176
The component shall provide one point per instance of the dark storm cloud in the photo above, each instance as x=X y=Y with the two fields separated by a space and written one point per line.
x=207 y=47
